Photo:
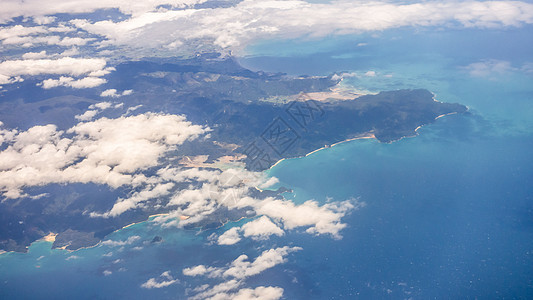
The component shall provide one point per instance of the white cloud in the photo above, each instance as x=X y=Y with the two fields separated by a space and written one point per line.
x=230 y=237
x=133 y=108
x=258 y=229
x=148 y=26
x=259 y=293
x=9 y=79
x=221 y=289
x=74 y=41
x=261 y=228
x=101 y=105
x=242 y=268
x=65 y=65
x=19 y=31
x=493 y=68
x=132 y=202
x=109 y=93
x=344 y=75
x=165 y=279
x=61 y=28
x=113 y=93
x=94 y=109
x=42 y=20
x=34 y=55
x=488 y=67
x=31 y=41
x=107 y=272
x=235 y=27
x=28 y=8
x=325 y=219
x=92 y=67
x=70 y=52
x=87 y=115
x=195 y=271
x=105 y=151
x=83 y=83
x=129 y=241
x=232 y=189
x=237 y=271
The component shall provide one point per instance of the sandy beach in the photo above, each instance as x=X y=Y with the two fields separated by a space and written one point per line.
x=368 y=135
x=51 y=237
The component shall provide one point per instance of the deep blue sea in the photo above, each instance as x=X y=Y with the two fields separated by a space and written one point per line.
x=449 y=213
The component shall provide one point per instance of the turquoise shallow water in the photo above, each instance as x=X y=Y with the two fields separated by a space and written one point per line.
x=449 y=213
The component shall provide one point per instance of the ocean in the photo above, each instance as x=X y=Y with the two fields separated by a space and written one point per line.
x=448 y=214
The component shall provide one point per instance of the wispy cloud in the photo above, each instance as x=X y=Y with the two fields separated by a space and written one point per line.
x=164 y=280
x=493 y=68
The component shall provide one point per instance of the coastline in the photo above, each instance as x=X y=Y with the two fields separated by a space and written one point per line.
x=150 y=216
x=367 y=135
x=51 y=237
x=114 y=231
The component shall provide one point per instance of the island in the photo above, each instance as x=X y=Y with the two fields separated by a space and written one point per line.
x=256 y=118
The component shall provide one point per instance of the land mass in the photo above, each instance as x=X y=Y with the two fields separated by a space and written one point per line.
x=212 y=91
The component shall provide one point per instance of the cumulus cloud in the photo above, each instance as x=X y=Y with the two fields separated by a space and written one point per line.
x=261 y=228
x=93 y=68
x=325 y=219
x=165 y=279
x=34 y=55
x=87 y=82
x=196 y=271
x=229 y=237
x=87 y=115
x=258 y=229
x=113 y=93
x=18 y=31
x=10 y=79
x=237 y=271
x=233 y=189
x=259 y=293
x=241 y=267
x=104 y=151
